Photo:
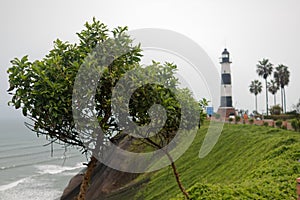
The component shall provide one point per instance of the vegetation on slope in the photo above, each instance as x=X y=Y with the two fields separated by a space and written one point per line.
x=248 y=162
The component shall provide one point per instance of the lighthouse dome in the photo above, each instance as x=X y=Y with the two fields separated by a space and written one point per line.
x=225 y=56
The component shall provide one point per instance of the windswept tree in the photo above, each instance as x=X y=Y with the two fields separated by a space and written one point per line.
x=282 y=78
x=255 y=88
x=44 y=90
x=273 y=88
x=203 y=103
x=264 y=69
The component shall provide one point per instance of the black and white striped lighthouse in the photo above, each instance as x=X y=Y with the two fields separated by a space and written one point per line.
x=226 y=107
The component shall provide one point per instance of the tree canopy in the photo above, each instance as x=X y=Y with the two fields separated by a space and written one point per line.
x=282 y=78
x=255 y=87
x=273 y=87
x=44 y=89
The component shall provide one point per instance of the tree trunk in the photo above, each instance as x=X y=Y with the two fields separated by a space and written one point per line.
x=177 y=176
x=86 y=179
x=256 y=103
x=274 y=99
x=281 y=93
x=284 y=100
x=267 y=100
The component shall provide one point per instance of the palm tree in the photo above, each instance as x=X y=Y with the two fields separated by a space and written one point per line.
x=255 y=87
x=264 y=69
x=273 y=88
x=282 y=78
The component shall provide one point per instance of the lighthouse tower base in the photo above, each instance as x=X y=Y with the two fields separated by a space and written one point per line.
x=226 y=111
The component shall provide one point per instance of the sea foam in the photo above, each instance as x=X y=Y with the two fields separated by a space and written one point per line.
x=13 y=184
x=56 y=169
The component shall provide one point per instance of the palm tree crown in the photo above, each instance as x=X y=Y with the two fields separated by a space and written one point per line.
x=282 y=75
x=255 y=87
x=273 y=87
x=264 y=68
x=282 y=78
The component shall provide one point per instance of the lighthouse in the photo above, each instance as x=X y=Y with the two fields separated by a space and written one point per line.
x=226 y=108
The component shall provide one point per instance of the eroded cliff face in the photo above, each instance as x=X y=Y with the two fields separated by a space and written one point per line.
x=106 y=183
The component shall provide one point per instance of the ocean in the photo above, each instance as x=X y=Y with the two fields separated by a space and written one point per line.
x=28 y=171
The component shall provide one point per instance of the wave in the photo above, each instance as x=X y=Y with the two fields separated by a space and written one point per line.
x=56 y=169
x=13 y=184
x=29 y=188
x=29 y=154
x=35 y=163
x=22 y=148
x=42 y=170
x=71 y=174
x=5 y=144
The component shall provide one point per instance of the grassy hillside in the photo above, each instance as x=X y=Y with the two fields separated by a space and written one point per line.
x=248 y=162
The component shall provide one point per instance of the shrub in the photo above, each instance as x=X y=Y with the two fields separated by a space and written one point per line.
x=266 y=124
x=280 y=117
x=230 y=120
x=251 y=121
x=237 y=119
x=284 y=127
x=275 y=110
x=295 y=124
x=278 y=123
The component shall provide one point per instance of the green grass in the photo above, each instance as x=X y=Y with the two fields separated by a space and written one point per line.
x=248 y=162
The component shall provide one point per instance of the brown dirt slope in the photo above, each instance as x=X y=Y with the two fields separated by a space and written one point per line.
x=106 y=183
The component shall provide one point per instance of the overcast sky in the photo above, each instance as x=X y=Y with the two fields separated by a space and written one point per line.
x=251 y=30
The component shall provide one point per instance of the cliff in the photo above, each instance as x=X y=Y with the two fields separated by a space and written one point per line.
x=106 y=183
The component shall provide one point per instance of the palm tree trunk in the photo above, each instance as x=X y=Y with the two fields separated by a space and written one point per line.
x=284 y=100
x=267 y=100
x=274 y=99
x=281 y=93
x=256 y=103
